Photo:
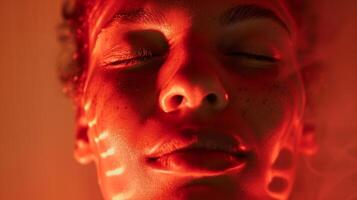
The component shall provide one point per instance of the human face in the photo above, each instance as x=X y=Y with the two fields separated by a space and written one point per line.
x=193 y=100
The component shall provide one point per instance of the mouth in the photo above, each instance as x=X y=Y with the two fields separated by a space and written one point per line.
x=199 y=161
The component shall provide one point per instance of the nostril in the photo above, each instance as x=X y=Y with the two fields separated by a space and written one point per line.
x=175 y=101
x=211 y=98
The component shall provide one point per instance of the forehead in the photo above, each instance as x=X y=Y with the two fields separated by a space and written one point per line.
x=199 y=11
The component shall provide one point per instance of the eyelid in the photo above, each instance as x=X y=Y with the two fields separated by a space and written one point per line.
x=257 y=56
x=124 y=59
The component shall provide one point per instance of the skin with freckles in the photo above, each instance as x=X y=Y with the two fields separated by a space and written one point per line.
x=189 y=100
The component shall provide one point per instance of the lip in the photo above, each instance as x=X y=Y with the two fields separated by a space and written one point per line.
x=198 y=152
x=198 y=161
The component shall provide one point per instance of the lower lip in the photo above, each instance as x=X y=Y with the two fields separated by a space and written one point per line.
x=198 y=162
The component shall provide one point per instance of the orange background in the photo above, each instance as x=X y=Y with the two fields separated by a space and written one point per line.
x=36 y=120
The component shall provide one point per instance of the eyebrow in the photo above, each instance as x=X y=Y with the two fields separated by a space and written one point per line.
x=139 y=15
x=250 y=11
x=232 y=16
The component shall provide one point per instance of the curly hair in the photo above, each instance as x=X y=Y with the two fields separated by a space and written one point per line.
x=73 y=35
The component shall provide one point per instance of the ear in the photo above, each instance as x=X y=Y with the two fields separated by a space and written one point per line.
x=83 y=151
x=308 y=145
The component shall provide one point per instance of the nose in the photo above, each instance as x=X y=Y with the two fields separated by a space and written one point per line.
x=195 y=90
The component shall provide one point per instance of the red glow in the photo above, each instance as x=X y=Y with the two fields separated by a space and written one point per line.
x=217 y=99
x=37 y=120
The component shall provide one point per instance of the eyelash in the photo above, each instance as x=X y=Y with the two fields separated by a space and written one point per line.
x=140 y=56
x=257 y=57
x=143 y=55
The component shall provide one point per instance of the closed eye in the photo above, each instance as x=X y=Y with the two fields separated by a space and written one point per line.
x=256 y=57
x=130 y=61
x=138 y=57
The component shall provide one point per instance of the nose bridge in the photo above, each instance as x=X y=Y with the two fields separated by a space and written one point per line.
x=195 y=83
x=198 y=65
x=196 y=47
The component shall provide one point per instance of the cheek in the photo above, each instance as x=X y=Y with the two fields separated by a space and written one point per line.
x=265 y=109
x=120 y=105
x=112 y=170
x=118 y=97
x=135 y=90
x=268 y=111
x=118 y=165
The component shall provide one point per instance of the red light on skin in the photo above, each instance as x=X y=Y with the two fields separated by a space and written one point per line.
x=204 y=164
x=123 y=195
x=277 y=54
x=115 y=172
x=195 y=71
x=278 y=187
x=102 y=136
x=107 y=153
x=92 y=123
x=308 y=143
